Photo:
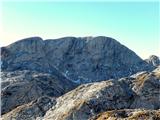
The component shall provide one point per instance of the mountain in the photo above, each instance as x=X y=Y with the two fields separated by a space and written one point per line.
x=153 y=60
x=75 y=78
x=129 y=97
x=81 y=60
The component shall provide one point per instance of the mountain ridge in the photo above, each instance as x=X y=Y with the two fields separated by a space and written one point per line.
x=71 y=56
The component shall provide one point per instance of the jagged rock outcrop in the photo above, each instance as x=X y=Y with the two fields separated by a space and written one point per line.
x=153 y=60
x=21 y=87
x=136 y=92
x=81 y=60
x=129 y=114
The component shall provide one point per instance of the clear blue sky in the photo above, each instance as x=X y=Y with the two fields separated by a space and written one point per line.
x=134 y=24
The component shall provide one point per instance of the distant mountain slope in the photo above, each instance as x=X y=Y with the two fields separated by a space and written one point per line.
x=81 y=60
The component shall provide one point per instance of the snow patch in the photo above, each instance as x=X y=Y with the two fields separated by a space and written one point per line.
x=77 y=81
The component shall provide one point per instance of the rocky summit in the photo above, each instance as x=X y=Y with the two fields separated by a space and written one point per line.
x=85 y=78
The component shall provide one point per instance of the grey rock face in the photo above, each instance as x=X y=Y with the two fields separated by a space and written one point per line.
x=81 y=60
x=140 y=92
x=153 y=60
x=21 y=87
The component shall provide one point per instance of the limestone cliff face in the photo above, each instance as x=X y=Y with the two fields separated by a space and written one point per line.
x=81 y=60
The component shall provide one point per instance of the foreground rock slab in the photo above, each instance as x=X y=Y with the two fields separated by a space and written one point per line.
x=140 y=91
